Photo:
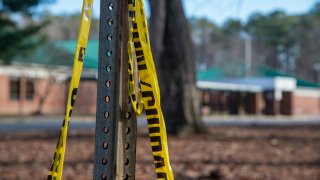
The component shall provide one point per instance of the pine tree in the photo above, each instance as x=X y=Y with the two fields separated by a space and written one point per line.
x=19 y=36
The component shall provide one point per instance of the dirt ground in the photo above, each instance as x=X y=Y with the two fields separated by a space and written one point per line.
x=242 y=153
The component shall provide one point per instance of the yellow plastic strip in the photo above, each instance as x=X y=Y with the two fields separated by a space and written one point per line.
x=134 y=89
x=56 y=169
x=149 y=88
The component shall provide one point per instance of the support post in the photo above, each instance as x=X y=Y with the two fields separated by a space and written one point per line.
x=108 y=96
x=115 y=141
x=126 y=157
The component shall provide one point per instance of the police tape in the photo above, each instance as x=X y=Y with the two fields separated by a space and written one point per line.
x=56 y=169
x=144 y=90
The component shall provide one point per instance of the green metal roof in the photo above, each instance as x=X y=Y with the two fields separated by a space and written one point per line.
x=213 y=74
x=270 y=72
x=210 y=74
x=62 y=53
x=91 y=57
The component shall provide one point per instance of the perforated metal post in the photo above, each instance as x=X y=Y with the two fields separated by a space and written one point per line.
x=127 y=124
x=108 y=112
x=115 y=139
x=130 y=145
x=126 y=156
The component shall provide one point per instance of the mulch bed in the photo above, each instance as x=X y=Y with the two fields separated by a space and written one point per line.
x=242 y=153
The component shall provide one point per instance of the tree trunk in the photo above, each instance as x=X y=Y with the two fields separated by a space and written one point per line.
x=43 y=96
x=173 y=53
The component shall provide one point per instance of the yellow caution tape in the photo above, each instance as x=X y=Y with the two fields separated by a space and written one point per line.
x=144 y=91
x=56 y=169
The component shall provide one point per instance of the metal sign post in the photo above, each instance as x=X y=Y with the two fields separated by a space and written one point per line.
x=115 y=122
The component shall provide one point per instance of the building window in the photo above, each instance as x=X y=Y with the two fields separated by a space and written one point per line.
x=30 y=90
x=14 y=89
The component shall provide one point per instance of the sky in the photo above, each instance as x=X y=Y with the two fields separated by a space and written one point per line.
x=217 y=11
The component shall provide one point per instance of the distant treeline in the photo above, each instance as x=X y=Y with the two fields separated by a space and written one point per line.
x=285 y=42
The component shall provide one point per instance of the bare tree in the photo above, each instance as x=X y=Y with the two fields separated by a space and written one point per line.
x=173 y=53
x=42 y=95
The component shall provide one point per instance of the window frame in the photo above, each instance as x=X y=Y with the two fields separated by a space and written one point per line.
x=14 y=88
x=30 y=89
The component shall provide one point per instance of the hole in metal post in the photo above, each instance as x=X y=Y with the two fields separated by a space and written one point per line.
x=109 y=53
x=107 y=99
x=108 y=84
x=128 y=130
x=128 y=115
x=103 y=177
x=109 y=37
x=110 y=6
x=126 y=177
x=105 y=145
x=127 y=162
x=110 y=22
x=108 y=68
x=106 y=114
x=106 y=130
x=104 y=161
x=127 y=146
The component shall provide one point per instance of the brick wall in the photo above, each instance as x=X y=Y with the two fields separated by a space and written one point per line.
x=306 y=105
x=86 y=98
x=50 y=97
x=55 y=96
x=7 y=106
x=306 y=101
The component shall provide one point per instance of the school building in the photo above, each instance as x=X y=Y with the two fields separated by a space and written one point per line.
x=32 y=87
x=268 y=92
x=35 y=90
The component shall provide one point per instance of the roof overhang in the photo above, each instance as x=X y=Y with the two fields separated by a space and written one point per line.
x=255 y=84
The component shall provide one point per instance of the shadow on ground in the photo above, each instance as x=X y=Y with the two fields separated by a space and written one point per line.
x=286 y=152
